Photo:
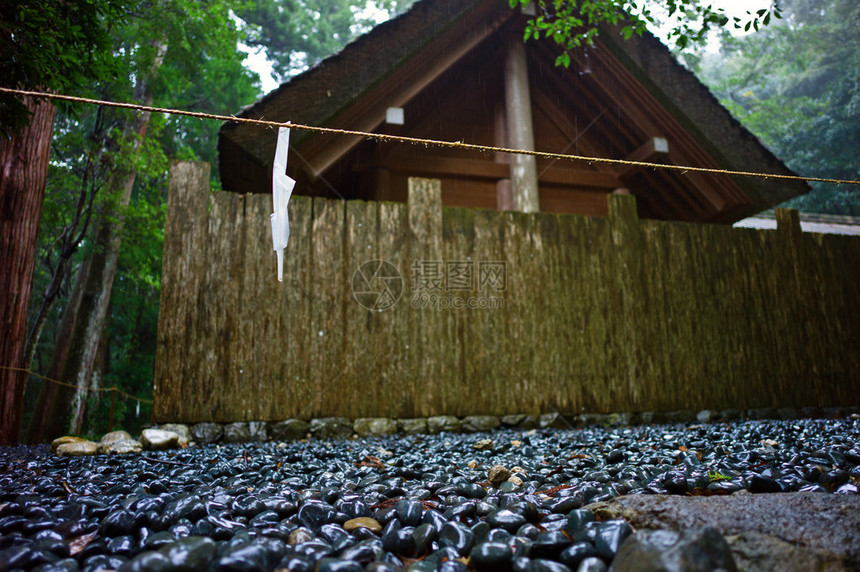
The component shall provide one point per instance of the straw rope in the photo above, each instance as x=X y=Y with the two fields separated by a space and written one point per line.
x=419 y=141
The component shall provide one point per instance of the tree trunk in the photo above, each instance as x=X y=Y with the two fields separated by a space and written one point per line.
x=54 y=400
x=95 y=301
x=23 y=172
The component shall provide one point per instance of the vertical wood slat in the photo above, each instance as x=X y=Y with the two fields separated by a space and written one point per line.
x=600 y=314
x=183 y=262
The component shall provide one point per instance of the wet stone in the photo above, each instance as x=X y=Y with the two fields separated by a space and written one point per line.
x=491 y=556
x=498 y=474
x=331 y=428
x=363 y=522
x=610 y=536
x=374 y=426
x=447 y=423
x=236 y=433
x=76 y=448
x=158 y=439
x=412 y=426
x=573 y=555
x=206 y=432
x=458 y=536
x=408 y=512
x=700 y=550
x=480 y=423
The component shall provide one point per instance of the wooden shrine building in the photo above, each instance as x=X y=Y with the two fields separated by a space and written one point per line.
x=458 y=70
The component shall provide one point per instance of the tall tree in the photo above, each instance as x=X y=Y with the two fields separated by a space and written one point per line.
x=194 y=64
x=298 y=33
x=51 y=44
x=795 y=85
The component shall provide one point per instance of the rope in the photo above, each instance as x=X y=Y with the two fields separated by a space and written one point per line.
x=63 y=383
x=419 y=141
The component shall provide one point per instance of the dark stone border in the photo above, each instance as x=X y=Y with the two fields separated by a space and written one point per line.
x=344 y=428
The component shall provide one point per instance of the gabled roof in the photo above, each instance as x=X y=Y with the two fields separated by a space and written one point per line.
x=442 y=62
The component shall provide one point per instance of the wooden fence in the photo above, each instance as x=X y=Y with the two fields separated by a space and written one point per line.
x=568 y=313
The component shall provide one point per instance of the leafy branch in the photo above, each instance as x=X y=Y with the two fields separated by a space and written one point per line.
x=573 y=24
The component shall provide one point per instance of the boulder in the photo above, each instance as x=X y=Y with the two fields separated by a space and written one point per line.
x=63 y=440
x=553 y=421
x=207 y=432
x=331 y=428
x=412 y=426
x=183 y=431
x=447 y=423
x=159 y=439
x=788 y=531
x=479 y=423
x=236 y=433
x=76 y=448
x=374 y=426
x=680 y=416
x=110 y=443
x=699 y=550
x=512 y=420
x=289 y=430
x=258 y=431
x=123 y=447
x=114 y=436
x=591 y=419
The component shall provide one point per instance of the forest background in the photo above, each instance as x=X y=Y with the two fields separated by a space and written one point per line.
x=795 y=84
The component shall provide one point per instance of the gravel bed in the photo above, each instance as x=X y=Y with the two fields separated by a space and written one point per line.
x=505 y=500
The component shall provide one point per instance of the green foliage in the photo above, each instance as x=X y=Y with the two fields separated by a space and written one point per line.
x=94 y=148
x=573 y=24
x=55 y=45
x=298 y=33
x=796 y=85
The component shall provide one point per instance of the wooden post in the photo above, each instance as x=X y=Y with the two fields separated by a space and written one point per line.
x=519 y=127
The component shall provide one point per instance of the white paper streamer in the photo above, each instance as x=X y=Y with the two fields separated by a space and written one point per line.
x=282 y=188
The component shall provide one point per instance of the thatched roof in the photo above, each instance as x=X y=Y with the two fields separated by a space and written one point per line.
x=637 y=91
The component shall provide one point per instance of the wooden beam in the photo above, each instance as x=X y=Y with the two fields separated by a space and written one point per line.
x=440 y=166
x=655 y=150
x=518 y=115
x=401 y=86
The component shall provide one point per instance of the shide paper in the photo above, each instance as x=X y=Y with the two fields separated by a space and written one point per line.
x=282 y=188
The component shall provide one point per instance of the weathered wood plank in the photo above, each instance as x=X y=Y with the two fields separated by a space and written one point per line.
x=599 y=314
x=182 y=279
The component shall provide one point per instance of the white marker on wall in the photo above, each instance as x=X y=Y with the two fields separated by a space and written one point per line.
x=282 y=188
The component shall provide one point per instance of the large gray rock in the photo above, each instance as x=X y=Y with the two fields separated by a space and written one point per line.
x=76 y=448
x=207 y=432
x=258 y=431
x=237 y=432
x=681 y=416
x=706 y=416
x=479 y=423
x=331 y=428
x=439 y=423
x=593 y=419
x=699 y=550
x=512 y=420
x=183 y=431
x=415 y=426
x=788 y=531
x=553 y=421
x=374 y=426
x=158 y=439
x=109 y=439
x=289 y=430
x=124 y=447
